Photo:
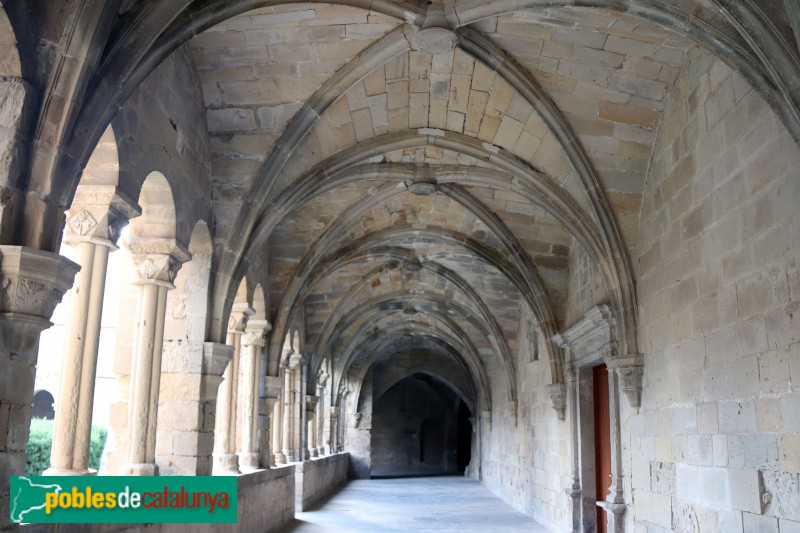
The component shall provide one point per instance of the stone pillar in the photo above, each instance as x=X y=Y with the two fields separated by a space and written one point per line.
x=331 y=444
x=291 y=413
x=32 y=283
x=93 y=223
x=225 y=459
x=271 y=389
x=311 y=426
x=251 y=344
x=216 y=358
x=319 y=415
x=278 y=457
x=157 y=261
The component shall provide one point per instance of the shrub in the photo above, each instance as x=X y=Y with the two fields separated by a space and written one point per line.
x=40 y=442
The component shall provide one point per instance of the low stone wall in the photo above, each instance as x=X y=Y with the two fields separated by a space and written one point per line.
x=317 y=478
x=265 y=500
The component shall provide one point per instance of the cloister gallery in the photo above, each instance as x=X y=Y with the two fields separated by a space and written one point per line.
x=553 y=245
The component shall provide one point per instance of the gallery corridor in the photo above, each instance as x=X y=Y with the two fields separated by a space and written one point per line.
x=413 y=504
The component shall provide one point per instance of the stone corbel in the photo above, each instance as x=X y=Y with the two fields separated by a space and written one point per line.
x=629 y=369
x=32 y=283
x=558 y=398
x=295 y=360
x=311 y=405
x=157 y=260
x=216 y=357
x=99 y=212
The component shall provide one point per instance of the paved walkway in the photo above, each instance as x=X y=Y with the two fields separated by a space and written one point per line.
x=413 y=504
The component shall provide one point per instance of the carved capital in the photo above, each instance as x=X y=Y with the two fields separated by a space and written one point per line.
x=157 y=260
x=558 y=397
x=32 y=282
x=99 y=212
x=322 y=378
x=630 y=369
x=240 y=314
x=256 y=332
x=295 y=360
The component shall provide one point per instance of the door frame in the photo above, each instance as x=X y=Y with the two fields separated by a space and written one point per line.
x=590 y=342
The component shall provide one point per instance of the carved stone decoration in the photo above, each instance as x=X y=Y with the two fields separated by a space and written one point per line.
x=322 y=378
x=99 y=212
x=558 y=398
x=255 y=333
x=32 y=284
x=435 y=37
x=157 y=260
x=630 y=369
x=82 y=223
x=240 y=315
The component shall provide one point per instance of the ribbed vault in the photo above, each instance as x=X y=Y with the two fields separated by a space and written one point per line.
x=396 y=193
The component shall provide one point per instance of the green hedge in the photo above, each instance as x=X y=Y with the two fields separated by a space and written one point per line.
x=41 y=438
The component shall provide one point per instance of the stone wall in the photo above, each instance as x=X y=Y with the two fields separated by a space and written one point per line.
x=524 y=460
x=715 y=447
x=318 y=478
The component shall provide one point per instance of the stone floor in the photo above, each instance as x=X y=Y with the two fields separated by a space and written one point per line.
x=413 y=504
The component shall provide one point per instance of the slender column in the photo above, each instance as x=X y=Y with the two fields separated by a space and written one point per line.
x=270 y=393
x=225 y=459
x=288 y=413
x=311 y=426
x=93 y=223
x=156 y=272
x=574 y=490
x=277 y=430
x=320 y=412
x=252 y=342
x=319 y=415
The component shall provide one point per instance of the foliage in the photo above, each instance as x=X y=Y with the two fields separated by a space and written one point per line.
x=40 y=442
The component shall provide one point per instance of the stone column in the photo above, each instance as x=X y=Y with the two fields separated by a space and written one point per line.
x=32 y=283
x=320 y=412
x=93 y=223
x=252 y=342
x=216 y=358
x=225 y=459
x=291 y=411
x=157 y=261
x=278 y=458
x=271 y=389
x=311 y=426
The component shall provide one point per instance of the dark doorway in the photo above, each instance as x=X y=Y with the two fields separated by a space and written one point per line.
x=464 y=441
x=431 y=443
x=602 y=441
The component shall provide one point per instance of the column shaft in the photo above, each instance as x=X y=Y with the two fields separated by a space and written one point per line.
x=141 y=379
x=67 y=405
x=90 y=352
x=155 y=380
x=288 y=414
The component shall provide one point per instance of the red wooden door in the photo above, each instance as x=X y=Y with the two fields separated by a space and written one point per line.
x=602 y=441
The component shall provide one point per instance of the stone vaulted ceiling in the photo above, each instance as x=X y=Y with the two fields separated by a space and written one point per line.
x=407 y=194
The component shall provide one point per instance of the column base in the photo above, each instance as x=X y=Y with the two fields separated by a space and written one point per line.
x=249 y=462
x=312 y=453
x=288 y=456
x=226 y=464
x=139 y=469
x=278 y=459
x=67 y=472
